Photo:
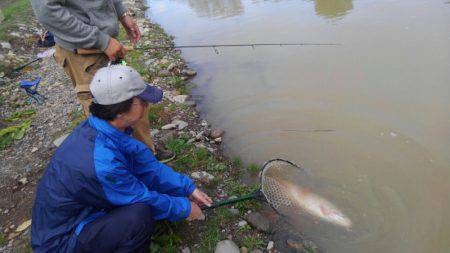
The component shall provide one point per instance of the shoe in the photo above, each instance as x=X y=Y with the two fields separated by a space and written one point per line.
x=164 y=155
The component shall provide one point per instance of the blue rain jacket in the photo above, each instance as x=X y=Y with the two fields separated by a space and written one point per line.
x=96 y=169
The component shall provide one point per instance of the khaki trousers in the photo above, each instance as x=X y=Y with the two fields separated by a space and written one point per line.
x=81 y=69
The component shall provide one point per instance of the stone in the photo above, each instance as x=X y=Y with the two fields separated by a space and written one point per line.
x=218 y=140
x=180 y=98
x=154 y=132
x=204 y=123
x=216 y=133
x=244 y=250
x=233 y=211
x=258 y=221
x=171 y=66
x=23 y=181
x=270 y=246
x=23 y=226
x=5 y=45
x=203 y=176
x=12 y=236
x=186 y=250
x=189 y=72
x=180 y=124
x=242 y=223
x=226 y=246
x=15 y=34
x=199 y=136
x=164 y=73
x=60 y=140
x=191 y=103
x=295 y=244
x=164 y=61
x=169 y=126
x=34 y=149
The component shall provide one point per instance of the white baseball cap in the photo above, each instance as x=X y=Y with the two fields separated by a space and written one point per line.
x=118 y=83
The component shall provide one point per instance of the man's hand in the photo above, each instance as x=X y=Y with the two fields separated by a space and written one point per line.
x=196 y=213
x=132 y=29
x=115 y=50
x=200 y=198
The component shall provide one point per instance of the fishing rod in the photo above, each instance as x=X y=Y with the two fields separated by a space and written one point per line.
x=213 y=46
x=242 y=45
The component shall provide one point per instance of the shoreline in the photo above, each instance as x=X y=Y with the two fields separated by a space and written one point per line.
x=176 y=125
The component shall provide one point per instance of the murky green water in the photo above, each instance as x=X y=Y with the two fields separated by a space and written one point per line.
x=381 y=103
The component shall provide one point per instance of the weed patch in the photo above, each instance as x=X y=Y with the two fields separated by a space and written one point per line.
x=253 y=242
x=17 y=11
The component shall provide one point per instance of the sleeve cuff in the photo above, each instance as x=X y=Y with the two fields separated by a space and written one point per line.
x=102 y=42
x=182 y=213
x=120 y=8
x=191 y=188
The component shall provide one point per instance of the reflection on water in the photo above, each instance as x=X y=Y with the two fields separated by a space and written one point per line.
x=333 y=8
x=216 y=8
x=329 y=9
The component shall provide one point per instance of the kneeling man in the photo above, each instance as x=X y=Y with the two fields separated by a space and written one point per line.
x=103 y=189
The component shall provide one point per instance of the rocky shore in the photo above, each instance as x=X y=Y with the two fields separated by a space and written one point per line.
x=244 y=227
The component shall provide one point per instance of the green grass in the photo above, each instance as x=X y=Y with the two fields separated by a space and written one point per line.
x=16 y=12
x=235 y=188
x=310 y=247
x=133 y=59
x=212 y=234
x=155 y=114
x=76 y=117
x=252 y=242
x=237 y=161
x=3 y=240
x=253 y=168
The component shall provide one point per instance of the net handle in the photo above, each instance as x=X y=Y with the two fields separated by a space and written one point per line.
x=254 y=195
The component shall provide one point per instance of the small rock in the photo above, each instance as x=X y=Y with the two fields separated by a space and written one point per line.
x=202 y=176
x=15 y=34
x=190 y=141
x=189 y=72
x=169 y=126
x=199 y=136
x=34 y=149
x=6 y=211
x=171 y=66
x=180 y=124
x=12 y=236
x=190 y=103
x=23 y=226
x=294 y=244
x=257 y=251
x=180 y=98
x=242 y=223
x=23 y=181
x=60 y=140
x=258 y=221
x=233 y=211
x=12 y=226
x=216 y=133
x=186 y=250
x=154 y=132
x=164 y=61
x=171 y=134
x=226 y=246
x=270 y=246
x=5 y=45
x=218 y=140
x=244 y=250
x=164 y=73
x=204 y=123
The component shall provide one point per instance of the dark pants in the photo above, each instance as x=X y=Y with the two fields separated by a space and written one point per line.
x=124 y=229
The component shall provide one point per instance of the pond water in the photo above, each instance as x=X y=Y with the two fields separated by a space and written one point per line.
x=369 y=119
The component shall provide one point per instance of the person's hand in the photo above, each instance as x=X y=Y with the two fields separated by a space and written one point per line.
x=200 y=198
x=196 y=213
x=132 y=29
x=115 y=50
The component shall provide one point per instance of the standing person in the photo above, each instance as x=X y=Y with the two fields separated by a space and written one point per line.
x=90 y=24
x=103 y=189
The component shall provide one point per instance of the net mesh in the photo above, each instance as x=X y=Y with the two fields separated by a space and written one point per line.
x=275 y=193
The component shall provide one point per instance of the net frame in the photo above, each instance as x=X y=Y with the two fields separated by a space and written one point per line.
x=273 y=190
